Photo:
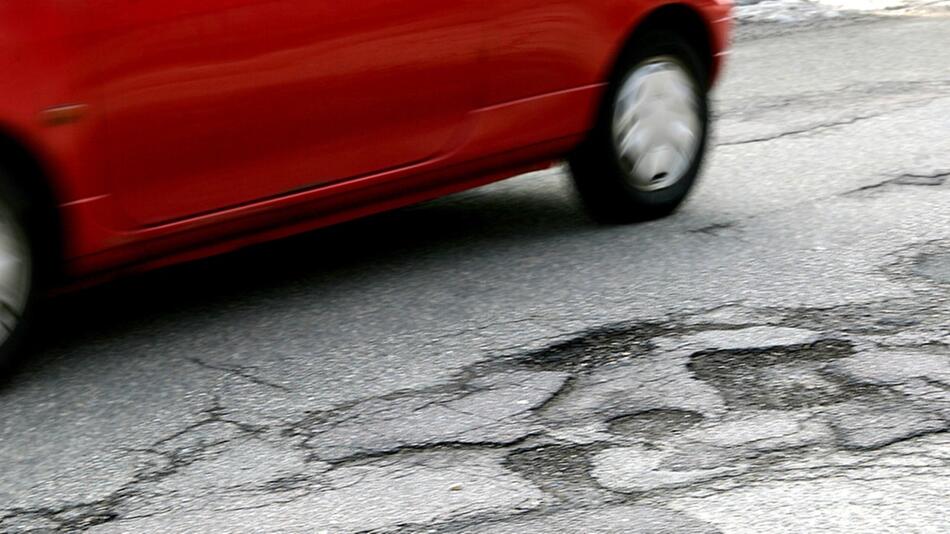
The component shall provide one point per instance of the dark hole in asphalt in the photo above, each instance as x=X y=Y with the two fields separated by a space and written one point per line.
x=595 y=348
x=778 y=378
x=563 y=470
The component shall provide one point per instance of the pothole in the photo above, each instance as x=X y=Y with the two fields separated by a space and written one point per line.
x=653 y=424
x=777 y=378
x=595 y=348
x=716 y=362
x=560 y=470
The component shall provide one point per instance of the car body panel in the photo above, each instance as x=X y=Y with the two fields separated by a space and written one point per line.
x=218 y=103
x=516 y=93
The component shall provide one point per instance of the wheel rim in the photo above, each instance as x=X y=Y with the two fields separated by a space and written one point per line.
x=657 y=124
x=15 y=278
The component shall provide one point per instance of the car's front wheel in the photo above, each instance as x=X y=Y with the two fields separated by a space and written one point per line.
x=17 y=271
x=644 y=153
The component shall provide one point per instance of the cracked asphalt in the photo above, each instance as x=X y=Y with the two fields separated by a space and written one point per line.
x=773 y=358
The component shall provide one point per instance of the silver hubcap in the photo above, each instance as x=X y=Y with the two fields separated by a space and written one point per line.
x=657 y=124
x=14 y=272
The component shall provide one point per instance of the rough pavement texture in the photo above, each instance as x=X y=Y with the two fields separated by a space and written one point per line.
x=773 y=358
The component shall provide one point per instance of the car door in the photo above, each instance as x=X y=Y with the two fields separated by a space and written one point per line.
x=211 y=104
x=539 y=47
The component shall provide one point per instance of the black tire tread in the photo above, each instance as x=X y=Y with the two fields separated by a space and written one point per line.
x=598 y=178
x=12 y=347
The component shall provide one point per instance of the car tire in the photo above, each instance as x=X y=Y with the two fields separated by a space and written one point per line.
x=642 y=157
x=18 y=273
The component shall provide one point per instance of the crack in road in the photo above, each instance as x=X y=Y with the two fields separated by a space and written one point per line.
x=79 y=516
x=715 y=229
x=732 y=229
x=243 y=372
x=936 y=179
x=922 y=92
x=802 y=131
x=511 y=405
x=829 y=125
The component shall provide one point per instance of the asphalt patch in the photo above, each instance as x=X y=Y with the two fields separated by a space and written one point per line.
x=935 y=267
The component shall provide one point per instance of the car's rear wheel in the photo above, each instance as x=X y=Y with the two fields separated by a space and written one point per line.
x=643 y=155
x=17 y=272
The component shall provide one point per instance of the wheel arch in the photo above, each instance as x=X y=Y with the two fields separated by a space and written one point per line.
x=683 y=19
x=33 y=179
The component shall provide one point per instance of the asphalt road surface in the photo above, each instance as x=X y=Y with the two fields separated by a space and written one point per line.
x=773 y=358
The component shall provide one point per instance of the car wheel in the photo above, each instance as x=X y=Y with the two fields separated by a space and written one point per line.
x=642 y=157
x=17 y=272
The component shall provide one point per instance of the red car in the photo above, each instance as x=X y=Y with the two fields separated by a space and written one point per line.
x=139 y=134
